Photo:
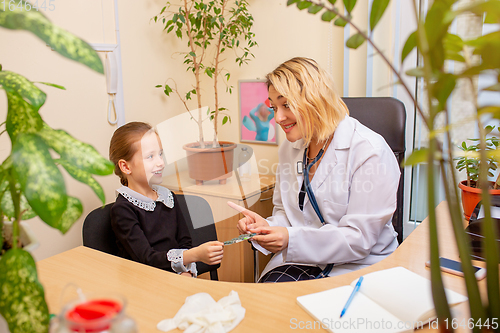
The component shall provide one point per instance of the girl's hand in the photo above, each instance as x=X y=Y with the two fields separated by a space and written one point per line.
x=250 y=221
x=188 y=274
x=273 y=239
x=210 y=252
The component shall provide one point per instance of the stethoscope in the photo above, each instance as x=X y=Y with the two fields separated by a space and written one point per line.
x=307 y=183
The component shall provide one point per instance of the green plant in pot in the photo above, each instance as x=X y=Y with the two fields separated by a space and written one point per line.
x=436 y=45
x=214 y=31
x=31 y=183
x=470 y=162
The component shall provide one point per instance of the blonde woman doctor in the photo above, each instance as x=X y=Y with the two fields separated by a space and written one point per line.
x=336 y=183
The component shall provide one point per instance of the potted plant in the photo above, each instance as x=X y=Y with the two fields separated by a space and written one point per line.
x=435 y=44
x=471 y=163
x=212 y=29
x=26 y=239
x=31 y=183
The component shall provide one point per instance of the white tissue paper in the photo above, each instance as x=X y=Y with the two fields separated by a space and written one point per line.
x=200 y=313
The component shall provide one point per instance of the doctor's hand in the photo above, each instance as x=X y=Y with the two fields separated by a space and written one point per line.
x=250 y=221
x=273 y=239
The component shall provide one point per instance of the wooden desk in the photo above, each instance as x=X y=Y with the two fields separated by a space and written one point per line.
x=154 y=294
x=256 y=194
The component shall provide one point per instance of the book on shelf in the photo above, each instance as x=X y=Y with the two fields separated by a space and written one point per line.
x=391 y=300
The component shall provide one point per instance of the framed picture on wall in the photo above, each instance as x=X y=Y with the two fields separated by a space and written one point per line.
x=257 y=124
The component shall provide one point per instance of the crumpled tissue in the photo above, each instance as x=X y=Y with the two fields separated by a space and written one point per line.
x=200 y=313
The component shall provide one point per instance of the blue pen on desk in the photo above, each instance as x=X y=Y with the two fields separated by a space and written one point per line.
x=356 y=288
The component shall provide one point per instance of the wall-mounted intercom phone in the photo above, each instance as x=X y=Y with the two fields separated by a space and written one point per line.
x=112 y=86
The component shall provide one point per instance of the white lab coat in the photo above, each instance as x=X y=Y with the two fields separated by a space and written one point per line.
x=355 y=187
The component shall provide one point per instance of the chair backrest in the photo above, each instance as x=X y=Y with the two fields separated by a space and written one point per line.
x=196 y=208
x=387 y=117
x=97 y=232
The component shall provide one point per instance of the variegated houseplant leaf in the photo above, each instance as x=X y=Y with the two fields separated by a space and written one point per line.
x=23 y=302
x=61 y=41
x=18 y=84
x=84 y=177
x=22 y=117
x=80 y=155
x=74 y=210
x=41 y=181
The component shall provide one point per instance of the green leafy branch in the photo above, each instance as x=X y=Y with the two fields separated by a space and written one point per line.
x=436 y=45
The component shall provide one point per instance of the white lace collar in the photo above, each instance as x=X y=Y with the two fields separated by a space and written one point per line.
x=141 y=201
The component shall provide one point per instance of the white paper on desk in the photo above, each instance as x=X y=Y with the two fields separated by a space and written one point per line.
x=200 y=313
x=260 y=248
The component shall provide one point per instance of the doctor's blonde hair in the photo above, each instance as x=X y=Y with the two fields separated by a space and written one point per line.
x=311 y=96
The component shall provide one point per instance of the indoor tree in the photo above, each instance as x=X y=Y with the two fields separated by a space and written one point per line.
x=213 y=31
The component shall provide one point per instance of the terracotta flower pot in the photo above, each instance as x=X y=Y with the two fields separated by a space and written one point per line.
x=210 y=163
x=471 y=197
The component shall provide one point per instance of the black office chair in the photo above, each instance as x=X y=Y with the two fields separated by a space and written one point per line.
x=387 y=117
x=98 y=234
x=196 y=208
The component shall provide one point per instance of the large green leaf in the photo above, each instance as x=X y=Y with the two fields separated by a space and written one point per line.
x=303 y=4
x=14 y=82
x=453 y=47
x=488 y=47
x=349 y=5
x=22 y=117
x=70 y=215
x=378 y=9
x=41 y=181
x=417 y=71
x=340 y=22
x=77 y=153
x=328 y=16
x=61 y=41
x=314 y=9
x=436 y=28
x=443 y=88
x=417 y=156
x=410 y=44
x=23 y=301
x=84 y=177
x=355 y=41
x=474 y=70
x=453 y=42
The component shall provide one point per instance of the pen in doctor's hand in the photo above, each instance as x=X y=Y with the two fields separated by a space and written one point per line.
x=356 y=288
